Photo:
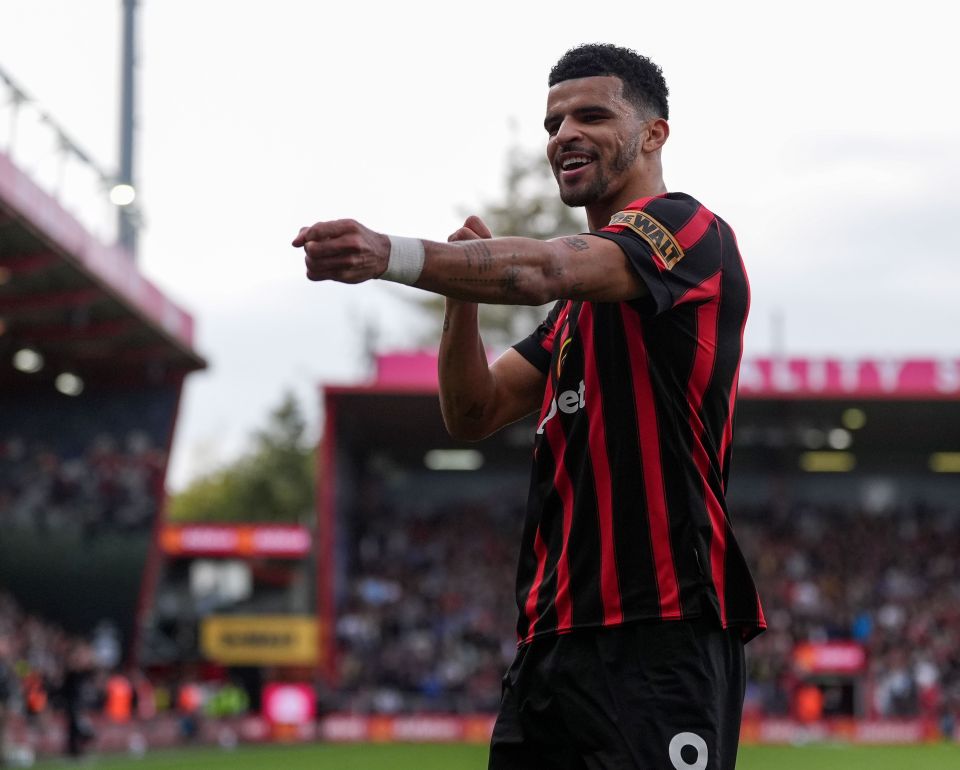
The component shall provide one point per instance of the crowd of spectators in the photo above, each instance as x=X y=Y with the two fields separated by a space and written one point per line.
x=426 y=622
x=887 y=579
x=426 y=611
x=49 y=677
x=110 y=484
x=43 y=668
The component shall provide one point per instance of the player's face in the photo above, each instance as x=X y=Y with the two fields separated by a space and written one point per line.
x=595 y=137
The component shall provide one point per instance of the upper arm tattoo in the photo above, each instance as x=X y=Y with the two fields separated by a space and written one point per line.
x=577 y=243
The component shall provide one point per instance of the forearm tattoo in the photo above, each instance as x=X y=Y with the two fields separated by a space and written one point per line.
x=481 y=262
x=477 y=253
x=511 y=280
x=509 y=283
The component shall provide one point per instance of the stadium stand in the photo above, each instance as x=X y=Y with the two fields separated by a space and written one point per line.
x=886 y=580
x=93 y=358
x=92 y=362
x=857 y=568
x=844 y=496
x=427 y=623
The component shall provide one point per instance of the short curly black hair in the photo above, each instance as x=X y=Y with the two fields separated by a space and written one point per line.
x=643 y=82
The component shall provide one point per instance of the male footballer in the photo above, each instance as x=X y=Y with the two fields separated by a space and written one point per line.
x=635 y=599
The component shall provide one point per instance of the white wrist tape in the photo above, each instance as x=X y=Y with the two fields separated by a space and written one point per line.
x=406 y=260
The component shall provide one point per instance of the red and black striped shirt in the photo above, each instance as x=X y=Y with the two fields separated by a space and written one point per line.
x=627 y=518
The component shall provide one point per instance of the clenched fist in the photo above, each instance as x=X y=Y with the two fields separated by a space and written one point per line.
x=343 y=250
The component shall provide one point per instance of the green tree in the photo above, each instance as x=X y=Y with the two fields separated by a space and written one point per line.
x=530 y=207
x=274 y=481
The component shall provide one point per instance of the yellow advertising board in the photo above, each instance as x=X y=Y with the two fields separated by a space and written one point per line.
x=260 y=640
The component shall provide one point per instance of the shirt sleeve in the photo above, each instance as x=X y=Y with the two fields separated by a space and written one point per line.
x=538 y=347
x=674 y=246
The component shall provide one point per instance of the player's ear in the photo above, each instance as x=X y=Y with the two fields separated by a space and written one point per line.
x=657 y=132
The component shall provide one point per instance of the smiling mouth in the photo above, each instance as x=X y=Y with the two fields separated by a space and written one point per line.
x=575 y=162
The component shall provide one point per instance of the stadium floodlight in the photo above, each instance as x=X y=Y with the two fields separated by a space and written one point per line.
x=453 y=460
x=839 y=438
x=853 y=418
x=27 y=360
x=68 y=384
x=122 y=194
x=813 y=438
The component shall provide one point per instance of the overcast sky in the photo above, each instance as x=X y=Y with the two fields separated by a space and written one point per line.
x=826 y=133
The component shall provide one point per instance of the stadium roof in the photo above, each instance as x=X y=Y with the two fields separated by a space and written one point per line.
x=897 y=415
x=776 y=378
x=82 y=305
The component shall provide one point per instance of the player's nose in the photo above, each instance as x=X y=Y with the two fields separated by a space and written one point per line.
x=569 y=131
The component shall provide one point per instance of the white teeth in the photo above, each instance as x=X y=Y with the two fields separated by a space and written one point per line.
x=583 y=159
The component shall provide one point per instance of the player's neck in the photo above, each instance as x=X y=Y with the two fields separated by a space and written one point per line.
x=599 y=214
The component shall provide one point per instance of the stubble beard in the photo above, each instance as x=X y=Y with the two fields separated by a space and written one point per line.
x=598 y=188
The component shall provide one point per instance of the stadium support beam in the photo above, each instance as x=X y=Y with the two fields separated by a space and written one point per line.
x=112 y=329
x=127 y=217
x=50 y=300
x=31 y=263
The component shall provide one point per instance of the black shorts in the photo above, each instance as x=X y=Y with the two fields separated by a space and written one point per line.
x=644 y=696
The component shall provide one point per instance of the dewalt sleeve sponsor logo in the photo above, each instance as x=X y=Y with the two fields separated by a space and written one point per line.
x=664 y=245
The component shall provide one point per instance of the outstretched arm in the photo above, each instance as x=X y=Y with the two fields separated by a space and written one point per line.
x=478 y=399
x=509 y=271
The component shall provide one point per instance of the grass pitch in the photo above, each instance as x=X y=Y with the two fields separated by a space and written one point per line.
x=468 y=757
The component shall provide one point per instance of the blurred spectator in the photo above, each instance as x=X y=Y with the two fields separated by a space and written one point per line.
x=145 y=696
x=8 y=688
x=189 y=703
x=808 y=704
x=118 y=702
x=78 y=698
